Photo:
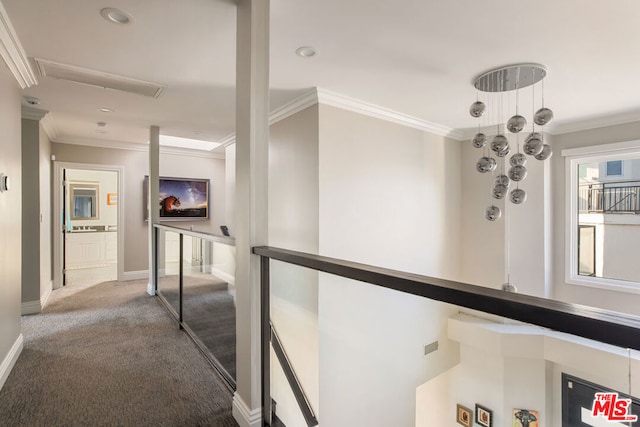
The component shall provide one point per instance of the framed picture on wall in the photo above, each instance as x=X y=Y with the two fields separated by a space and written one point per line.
x=464 y=416
x=484 y=416
x=525 y=418
x=180 y=199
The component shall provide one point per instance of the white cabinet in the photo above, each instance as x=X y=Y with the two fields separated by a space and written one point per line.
x=90 y=249
x=111 y=247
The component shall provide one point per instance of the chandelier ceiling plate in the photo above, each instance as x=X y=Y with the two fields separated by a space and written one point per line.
x=510 y=77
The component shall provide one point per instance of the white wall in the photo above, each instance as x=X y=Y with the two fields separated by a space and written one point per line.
x=483 y=253
x=31 y=211
x=293 y=224
x=389 y=196
x=507 y=367
x=10 y=219
x=613 y=300
x=230 y=190
x=36 y=224
x=46 y=245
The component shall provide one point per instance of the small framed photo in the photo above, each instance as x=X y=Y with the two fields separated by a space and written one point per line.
x=112 y=199
x=525 y=418
x=484 y=416
x=464 y=415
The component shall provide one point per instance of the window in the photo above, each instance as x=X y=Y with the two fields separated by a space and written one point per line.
x=603 y=216
x=614 y=168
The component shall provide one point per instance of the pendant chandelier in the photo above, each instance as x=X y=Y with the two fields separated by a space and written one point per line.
x=503 y=138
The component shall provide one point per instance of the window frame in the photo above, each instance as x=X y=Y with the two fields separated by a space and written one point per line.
x=573 y=157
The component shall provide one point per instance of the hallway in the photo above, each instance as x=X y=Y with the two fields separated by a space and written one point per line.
x=109 y=354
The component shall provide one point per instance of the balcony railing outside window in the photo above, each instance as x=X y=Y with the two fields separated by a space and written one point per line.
x=610 y=197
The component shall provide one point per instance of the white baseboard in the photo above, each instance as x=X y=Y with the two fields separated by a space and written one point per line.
x=229 y=278
x=135 y=275
x=47 y=293
x=30 y=307
x=10 y=360
x=35 y=307
x=244 y=416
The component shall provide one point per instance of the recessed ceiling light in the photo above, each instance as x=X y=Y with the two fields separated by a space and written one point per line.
x=105 y=110
x=306 y=51
x=116 y=16
x=101 y=124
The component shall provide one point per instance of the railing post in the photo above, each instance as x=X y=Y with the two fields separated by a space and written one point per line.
x=265 y=337
x=181 y=281
x=154 y=245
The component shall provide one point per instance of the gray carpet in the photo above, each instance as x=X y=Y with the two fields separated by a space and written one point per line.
x=110 y=354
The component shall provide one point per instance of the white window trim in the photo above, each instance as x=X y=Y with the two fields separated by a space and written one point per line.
x=574 y=156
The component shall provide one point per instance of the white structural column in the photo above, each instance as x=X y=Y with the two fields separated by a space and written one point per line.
x=153 y=192
x=252 y=132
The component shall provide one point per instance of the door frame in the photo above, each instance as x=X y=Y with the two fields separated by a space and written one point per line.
x=57 y=214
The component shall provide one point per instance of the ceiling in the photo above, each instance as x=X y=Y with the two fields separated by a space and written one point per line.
x=415 y=57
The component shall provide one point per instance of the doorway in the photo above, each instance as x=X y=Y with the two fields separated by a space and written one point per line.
x=88 y=246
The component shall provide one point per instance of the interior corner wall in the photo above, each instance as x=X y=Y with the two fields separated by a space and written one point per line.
x=36 y=224
x=135 y=164
x=30 y=210
x=611 y=300
x=293 y=224
x=46 y=220
x=390 y=196
x=10 y=214
x=483 y=246
x=484 y=241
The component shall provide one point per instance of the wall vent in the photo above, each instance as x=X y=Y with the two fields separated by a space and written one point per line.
x=97 y=78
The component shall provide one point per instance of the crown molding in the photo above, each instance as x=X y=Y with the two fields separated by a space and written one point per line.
x=13 y=54
x=321 y=96
x=570 y=127
x=357 y=106
x=135 y=146
x=31 y=113
x=227 y=141
x=303 y=102
x=595 y=123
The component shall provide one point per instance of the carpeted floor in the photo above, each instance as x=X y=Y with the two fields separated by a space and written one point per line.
x=109 y=354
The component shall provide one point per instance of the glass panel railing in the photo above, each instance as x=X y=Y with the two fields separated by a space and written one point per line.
x=196 y=279
x=169 y=268
x=370 y=355
x=294 y=344
x=209 y=309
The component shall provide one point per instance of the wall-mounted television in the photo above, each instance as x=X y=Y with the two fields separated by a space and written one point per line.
x=181 y=199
